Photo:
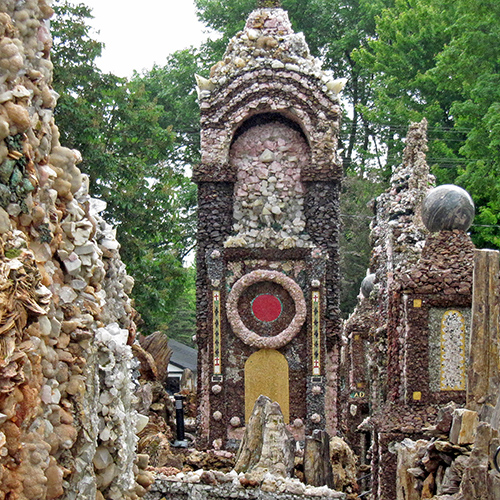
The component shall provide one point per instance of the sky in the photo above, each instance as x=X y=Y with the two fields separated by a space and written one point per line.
x=138 y=34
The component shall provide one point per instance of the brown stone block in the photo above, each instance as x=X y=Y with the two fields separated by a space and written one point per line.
x=464 y=426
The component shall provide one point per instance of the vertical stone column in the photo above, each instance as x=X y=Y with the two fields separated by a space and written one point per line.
x=483 y=381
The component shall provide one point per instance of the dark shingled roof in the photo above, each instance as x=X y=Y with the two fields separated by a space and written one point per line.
x=183 y=355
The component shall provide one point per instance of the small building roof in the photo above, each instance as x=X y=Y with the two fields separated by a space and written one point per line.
x=183 y=356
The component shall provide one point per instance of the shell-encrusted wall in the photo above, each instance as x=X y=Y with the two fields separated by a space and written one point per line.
x=268 y=207
x=66 y=418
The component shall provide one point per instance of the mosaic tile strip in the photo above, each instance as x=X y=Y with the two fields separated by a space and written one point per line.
x=452 y=351
x=216 y=331
x=316 y=333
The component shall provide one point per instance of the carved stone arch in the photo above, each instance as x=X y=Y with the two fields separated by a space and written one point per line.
x=294 y=97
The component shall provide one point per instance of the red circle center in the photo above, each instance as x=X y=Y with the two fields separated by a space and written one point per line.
x=266 y=307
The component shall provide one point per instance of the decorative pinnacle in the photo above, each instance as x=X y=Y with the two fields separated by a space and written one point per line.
x=269 y=4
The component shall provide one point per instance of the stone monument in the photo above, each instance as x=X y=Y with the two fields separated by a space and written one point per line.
x=267 y=275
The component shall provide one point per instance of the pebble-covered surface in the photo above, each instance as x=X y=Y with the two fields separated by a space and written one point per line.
x=215 y=485
x=268 y=68
x=268 y=193
x=269 y=186
x=66 y=421
x=394 y=331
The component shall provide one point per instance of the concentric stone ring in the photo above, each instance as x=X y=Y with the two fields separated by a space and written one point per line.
x=251 y=338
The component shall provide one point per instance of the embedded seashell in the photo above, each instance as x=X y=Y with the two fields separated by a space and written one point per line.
x=336 y=86
x=21 y=91
x=204 y=83
x=235 y=421
x=5 y=96
x=239 y=62
x=215 y=68
x=4 y=128
x=18 y=116
x=298 y=423
x=6 y=26
x=316 y=418
x=252 y=34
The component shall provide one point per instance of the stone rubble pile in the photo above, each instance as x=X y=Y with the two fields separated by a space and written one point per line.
x=456 y=464
x=67 y=427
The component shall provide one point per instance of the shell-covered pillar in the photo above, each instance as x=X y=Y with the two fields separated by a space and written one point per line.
x=268 y=223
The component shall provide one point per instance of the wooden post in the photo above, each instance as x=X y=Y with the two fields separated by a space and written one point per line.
x=483 y=378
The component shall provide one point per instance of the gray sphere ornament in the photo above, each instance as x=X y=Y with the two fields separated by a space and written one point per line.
x=367 y=285
x=447 y=207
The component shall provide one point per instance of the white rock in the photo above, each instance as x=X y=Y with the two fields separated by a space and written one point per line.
x=102 y=458
x=142 y=421
x=45 y=325
x=73 y=264
x=110 y=244
x=97 y=206
x=14 y=209
x=267 y=156
x=67 y=294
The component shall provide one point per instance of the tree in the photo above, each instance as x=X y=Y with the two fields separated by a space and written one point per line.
x=468 y=68
x=126 y=141
x=333 y=29
x=439 y=59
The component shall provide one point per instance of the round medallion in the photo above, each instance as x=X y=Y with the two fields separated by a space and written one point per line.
x=266 y=307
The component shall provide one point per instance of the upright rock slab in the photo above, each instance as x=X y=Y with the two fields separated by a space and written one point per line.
x=267 y=445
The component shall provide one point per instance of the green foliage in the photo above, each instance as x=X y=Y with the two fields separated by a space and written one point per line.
x=126 y=137
x=182 y=325
x=440 y=59
x=333 y=29
x=354 y=238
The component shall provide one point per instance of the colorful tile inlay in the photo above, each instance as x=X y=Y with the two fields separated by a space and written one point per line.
x=452 y=351
x=266 y=307
x=216 y=329
x=316 y=333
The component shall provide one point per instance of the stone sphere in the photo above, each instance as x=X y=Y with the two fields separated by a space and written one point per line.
x=447 y=207
x=367 y=285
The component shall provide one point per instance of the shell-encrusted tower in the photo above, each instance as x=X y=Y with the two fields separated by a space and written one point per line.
x=268 y=223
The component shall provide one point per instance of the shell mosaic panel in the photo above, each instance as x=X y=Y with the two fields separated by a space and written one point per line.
x=448 y=342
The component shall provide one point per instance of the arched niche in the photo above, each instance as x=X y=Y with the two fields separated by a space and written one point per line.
x=267 y=155
x=266 y=373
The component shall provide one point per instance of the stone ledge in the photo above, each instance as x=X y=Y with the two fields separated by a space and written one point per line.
x=172 y=490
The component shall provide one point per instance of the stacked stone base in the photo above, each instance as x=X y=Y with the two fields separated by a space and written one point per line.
x=170 y=490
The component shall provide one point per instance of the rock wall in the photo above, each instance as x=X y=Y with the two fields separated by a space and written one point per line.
x=66 y=423
x=268 y=227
